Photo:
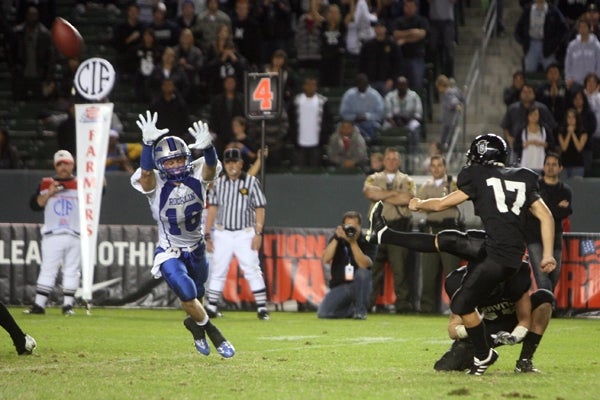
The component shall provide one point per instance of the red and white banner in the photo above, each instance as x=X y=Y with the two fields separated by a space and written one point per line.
x=92 y=127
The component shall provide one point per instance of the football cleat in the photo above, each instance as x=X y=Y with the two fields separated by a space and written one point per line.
x=68 y=310
x=525 y=365
x=480 y=366
x=198 y=333
x=27 y=348
x=376 y=224
x=458 y=358
x=263 y=314
x=35 y=309
x=213 y=314
x=226 y=349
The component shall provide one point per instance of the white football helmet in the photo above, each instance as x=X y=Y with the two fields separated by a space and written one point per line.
x=168 y=148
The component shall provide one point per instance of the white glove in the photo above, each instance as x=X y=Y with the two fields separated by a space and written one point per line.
x=504 y=337
x=199 y=130
x=148 y=127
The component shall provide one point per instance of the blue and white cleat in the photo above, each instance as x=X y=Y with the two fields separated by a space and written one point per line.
x=202 y=346
x=226 y=349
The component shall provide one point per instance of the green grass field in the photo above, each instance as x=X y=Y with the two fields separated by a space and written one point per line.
x=148 y=354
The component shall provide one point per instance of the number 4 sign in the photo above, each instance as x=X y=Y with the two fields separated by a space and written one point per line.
x=262 y=95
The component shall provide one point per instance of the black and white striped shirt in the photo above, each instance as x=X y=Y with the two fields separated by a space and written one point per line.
x=237 y=201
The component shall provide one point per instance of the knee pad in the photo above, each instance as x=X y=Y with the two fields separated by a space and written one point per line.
x=540 y=297
x=469 y=245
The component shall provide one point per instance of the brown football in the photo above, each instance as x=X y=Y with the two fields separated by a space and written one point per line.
x=66 y=38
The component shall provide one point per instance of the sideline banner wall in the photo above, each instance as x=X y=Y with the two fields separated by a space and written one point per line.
x=292 y=267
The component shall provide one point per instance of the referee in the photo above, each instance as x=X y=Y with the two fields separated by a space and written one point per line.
x=234 y=226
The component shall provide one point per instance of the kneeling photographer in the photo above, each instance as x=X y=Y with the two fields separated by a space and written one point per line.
x=350 y=256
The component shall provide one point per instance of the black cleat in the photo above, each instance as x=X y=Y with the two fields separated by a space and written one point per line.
x=68 y=310
x=199 y=337
x=213 y=314
x=263 y=314
x=377 y=224
x=35 y=309
x=480 y=366
x=458 y=358
x=525 y=365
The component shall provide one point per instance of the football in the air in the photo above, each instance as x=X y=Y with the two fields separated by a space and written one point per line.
x=66 y=38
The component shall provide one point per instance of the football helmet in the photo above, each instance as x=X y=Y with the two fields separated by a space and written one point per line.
x=168 y=148
x=488 y=149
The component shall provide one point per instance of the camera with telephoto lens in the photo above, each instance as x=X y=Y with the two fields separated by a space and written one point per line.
x=350 y=230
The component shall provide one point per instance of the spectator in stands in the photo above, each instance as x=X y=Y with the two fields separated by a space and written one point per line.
x=541 y=30
x=191 y=60
x=554 y=93
x=31 y=58
x=333 y=47
x=585 y=114
x=247 y=34
x=347 y=148
x=242 y=141
x=148 y=54
x=311 y=123
x=451 y=104
x=209 y=22
x=515 y=118
x=375 y=162
x=359 y=27
x=127 y=37
x=224 y=107
x=188 y=17
x=146 y=9
x=410 y=33
x=442 y=35
x=572 y=138
x=379 y=59
x=65 y=132
x=65 y=88
x=199 y=6
x=307 y=38
x=287 y=76
x=533 y=142
x=228 y=62
x=389 y=11
x=592 y=93
x=593 y=16
x=9 y=156
x=121 y=156
x=168 y=68
x=173 y=112
x=46 y=10
x=276 y=138
x=403 y=108
x=511 y=93
x=364 y=106
x=275 y=18
x=165 y=30
x=583 y=56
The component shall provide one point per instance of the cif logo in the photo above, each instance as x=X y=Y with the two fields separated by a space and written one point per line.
x=63 y=207
x=94 y=78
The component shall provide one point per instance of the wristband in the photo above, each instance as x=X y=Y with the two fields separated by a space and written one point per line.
x=461 y=331
x=147 y=158
x=519 y=333
x=210 y=156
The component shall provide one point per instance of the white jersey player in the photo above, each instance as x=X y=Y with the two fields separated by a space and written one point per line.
x=176 y=191
x=57 y=197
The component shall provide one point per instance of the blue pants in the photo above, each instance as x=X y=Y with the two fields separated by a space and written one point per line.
x=343 y=301
x=535 y=57
x=544 y=280
x=187 y=274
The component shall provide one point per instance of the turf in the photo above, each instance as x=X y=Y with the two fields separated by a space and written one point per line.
x=148 y=354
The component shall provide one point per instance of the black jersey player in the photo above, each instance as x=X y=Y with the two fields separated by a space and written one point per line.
x=501 y=196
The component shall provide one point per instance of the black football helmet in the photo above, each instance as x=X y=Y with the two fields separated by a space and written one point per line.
x=488 y=149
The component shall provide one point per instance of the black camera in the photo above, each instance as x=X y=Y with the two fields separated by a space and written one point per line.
x=350 y=230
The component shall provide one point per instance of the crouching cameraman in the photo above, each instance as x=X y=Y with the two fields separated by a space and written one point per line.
x=351 y=282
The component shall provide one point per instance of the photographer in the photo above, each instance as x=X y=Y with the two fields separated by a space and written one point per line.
x=350 y=285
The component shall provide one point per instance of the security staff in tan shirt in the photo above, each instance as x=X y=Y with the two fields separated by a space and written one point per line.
x=394 y=189
x=435 y=266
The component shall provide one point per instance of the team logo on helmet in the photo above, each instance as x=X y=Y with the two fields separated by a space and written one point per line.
x=482 y=146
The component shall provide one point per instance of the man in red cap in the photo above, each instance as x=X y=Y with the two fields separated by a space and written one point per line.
x=57 y=197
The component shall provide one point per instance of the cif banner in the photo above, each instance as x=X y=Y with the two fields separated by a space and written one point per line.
x=578 y=287
x=92 y=127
